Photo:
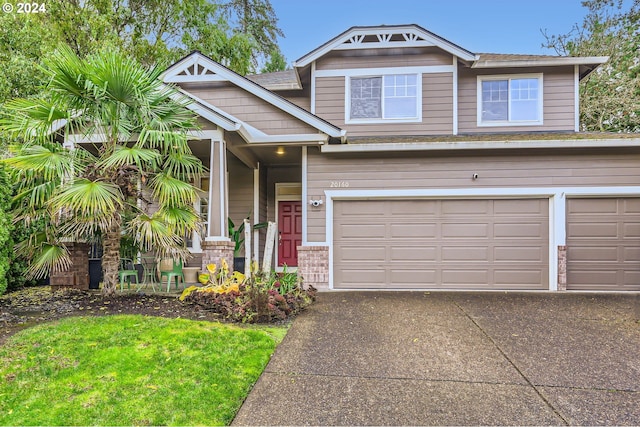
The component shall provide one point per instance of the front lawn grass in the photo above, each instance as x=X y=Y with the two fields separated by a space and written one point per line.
x=131 y=370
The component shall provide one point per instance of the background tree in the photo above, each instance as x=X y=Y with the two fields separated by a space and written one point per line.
x=257 y=19
x=610 y=96
x=239 y=34
x=143 y=157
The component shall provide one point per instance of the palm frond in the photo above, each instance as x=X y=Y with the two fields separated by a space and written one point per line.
x=183 y=220
x=87 y=198
x=171 y=191
x=48 y=257
x=143 y=158
x=183 y=165
x=46 y=161
x=153 y=233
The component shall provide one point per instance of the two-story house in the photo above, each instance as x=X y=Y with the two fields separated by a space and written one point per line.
x=392 y=158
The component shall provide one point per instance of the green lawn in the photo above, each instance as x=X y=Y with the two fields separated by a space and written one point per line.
x=130 y=370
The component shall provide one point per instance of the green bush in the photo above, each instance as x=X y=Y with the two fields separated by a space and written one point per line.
x=6 y=246
x=262 y=298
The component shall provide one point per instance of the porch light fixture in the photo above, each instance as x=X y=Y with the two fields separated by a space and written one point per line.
x=280 y=151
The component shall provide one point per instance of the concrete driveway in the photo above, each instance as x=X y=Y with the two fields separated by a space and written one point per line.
x=420 y=358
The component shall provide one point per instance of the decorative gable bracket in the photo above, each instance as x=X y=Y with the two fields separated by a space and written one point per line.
x=397 y=36
x=191 y=70
x=384 y=39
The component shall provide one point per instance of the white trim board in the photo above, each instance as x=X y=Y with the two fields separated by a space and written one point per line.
x=557 y=208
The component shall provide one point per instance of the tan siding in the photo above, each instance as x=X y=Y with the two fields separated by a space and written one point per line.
x=437 y=108
x=340 y=60
x=558 y=94
x=249 y=108
x=424 y=171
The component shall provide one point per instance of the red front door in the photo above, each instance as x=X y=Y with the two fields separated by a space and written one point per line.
x=290 y=232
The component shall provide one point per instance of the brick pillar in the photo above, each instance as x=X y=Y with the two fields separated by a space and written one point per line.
x=214 y=251
x=313 y=266
x=78 y=275
x=562 y=268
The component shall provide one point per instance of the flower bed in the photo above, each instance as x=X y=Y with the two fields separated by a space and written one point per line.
x=262 y=298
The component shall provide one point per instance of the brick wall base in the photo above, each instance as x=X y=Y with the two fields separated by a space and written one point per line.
x=562 y=268
x=313 y=266
x=78 y=275
x=213 y=252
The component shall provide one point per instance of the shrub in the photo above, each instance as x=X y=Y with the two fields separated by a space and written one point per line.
x=6 y=248
x=258 y=299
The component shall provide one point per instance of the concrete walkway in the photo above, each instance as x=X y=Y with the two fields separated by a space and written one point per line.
x=419 y=358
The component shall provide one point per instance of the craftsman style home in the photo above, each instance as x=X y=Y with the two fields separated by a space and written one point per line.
x=392 y=158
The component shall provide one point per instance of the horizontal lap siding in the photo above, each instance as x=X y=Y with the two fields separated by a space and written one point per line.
x=437 y=108
x=251 y=109
x=558 y=108
x=240 y=190
x=419 y=171
x=346 y=59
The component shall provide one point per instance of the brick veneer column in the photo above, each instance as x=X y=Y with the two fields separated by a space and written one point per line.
x=214 y=251
x=562 y=268
x=313 y=266
x=78 y=275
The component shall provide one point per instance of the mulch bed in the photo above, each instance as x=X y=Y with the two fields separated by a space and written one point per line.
x=31 y=306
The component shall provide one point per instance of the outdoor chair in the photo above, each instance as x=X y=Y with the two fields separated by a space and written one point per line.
x=175 y=272
x=126 y=272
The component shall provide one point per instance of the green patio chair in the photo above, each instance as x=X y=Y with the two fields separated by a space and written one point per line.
x=175 y=272
x=126 y=272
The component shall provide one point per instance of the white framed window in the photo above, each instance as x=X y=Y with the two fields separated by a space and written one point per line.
x=510 y=100
x=388 y=97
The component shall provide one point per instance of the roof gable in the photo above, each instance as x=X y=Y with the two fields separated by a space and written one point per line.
x=198 y=68
x=385 y=37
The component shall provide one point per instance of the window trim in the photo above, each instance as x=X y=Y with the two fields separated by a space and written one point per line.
x=509 y=77
x=347 y=96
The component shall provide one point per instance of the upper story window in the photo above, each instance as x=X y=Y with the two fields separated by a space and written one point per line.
x=510 y=100
x=380 y=98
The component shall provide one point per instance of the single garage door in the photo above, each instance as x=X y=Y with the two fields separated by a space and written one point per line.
x=603 y=244
x=441 y=244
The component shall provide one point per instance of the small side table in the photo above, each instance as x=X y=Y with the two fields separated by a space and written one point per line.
x=190 y=274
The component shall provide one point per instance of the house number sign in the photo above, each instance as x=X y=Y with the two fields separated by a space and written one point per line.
x=338 y=184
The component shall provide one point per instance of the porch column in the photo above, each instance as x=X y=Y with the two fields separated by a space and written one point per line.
x=217 y=245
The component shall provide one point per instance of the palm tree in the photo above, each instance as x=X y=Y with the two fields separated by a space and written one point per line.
x=140 y=158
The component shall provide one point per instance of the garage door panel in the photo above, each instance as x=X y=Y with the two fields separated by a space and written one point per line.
x=631 y=206
x=414 y=231
x=631 y=230
x=464 y=231
x=524 y=230
x=631 y=255
x=443 y=244
x=466 y=207
x=371 y=231
x=590 y=230
x=520 y=254
x=583 y=254
x=359 y=254
x=517 y=278
x=533 y=207
x=464 y=253
x=413 y=253
x=603 y=244
x=592 y=207
x=459 y=277
x=414 y=278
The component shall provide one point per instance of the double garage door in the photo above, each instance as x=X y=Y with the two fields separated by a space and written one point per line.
x=441 y=244
x=483 y=244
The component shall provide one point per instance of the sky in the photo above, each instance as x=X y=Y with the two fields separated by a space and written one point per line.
x=480 y=26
